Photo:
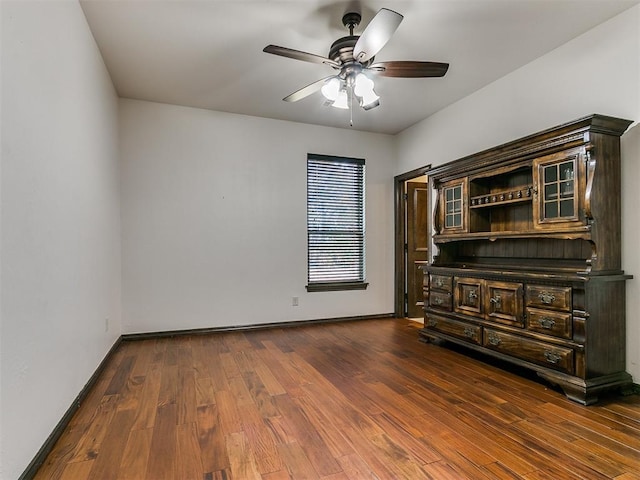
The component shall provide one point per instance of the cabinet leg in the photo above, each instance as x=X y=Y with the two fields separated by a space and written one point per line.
x=588 y=393
x=580 y=395
x=577 y=393
x=427 y=338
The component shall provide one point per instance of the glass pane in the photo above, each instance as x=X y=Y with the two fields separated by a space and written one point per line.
x=566 y=208
x=457 y=193
x=566 y=171
x=550 y=173
x=449 y=194
x=457 y=205
x=449 y=208
x=550 y=210
x=551 y=191
x=448 y=221
x=457 y=220
x=566 y=189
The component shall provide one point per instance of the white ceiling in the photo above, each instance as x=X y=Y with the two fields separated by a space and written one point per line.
x=208 y=53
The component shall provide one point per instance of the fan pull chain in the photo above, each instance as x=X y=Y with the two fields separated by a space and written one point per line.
x=351 y=106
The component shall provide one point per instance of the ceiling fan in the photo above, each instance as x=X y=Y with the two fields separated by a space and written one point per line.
x=353 y=59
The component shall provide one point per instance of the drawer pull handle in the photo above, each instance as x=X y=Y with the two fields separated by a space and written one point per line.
x=469 y=332
x=438 y=301
x=472 y=295
x=497 y=301
x=546 y=298
x=432 y=323
x=494 y=339
x=552 y=357
x=546 y=322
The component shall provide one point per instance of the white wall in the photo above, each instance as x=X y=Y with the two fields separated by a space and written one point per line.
x=630 y=144
x=597 y=72
x=214 y=219
x=1 y=155
x=59 y=220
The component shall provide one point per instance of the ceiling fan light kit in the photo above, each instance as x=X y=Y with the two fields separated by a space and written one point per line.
x=352 y=56
x=335 y=91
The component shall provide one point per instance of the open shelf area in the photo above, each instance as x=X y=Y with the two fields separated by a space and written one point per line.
x=505 y=197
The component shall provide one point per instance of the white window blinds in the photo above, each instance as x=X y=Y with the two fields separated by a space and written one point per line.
x=335 y=220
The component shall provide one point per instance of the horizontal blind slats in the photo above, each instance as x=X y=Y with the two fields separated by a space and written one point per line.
x=335 y=219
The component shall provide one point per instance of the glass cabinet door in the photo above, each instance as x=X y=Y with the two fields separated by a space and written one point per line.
x=558 y=192
x=556 y=178
x=452 y=207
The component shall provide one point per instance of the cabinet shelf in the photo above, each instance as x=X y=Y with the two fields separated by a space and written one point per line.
x=582 y=232
x=505 y=197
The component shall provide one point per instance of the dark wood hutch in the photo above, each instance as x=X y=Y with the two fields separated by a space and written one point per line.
x=528 y=268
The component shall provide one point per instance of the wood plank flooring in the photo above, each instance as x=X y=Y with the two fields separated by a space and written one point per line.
x=353 y=400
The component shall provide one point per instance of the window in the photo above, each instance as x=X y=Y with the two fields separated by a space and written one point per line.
x=335 y=223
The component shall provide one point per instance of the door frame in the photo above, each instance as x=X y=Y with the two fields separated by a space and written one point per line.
x=399 y=229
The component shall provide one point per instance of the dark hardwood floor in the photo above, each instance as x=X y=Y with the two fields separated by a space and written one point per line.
x=353 y=400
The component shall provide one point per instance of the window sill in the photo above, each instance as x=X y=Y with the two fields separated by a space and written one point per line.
x=336 y=286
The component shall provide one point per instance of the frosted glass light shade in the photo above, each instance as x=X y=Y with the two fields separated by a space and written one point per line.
x=364 y=90
x=342 y=100
x=363 y=84
x=331 y=89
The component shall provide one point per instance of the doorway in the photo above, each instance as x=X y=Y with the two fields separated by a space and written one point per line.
x=412 y=240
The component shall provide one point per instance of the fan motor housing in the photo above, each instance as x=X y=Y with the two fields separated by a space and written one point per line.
x=342 y=50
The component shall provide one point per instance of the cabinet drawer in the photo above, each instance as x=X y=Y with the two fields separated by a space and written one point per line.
x=549 y=322
x=558 y=298
x=468 y=296
x=503 y=303
x=440 y=282
x=440 y=300
x=551 y=356
x=465 y=331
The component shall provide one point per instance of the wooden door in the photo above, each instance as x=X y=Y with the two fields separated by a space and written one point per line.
x=468 y=296
x=504 y=302
x=417 y=243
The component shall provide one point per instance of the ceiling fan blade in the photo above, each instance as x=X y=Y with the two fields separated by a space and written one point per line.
x=408 y=69
x=298 y=55
x=377 y=34
x=306 y=91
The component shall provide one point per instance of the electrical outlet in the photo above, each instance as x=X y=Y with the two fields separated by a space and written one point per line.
x=294 y=301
